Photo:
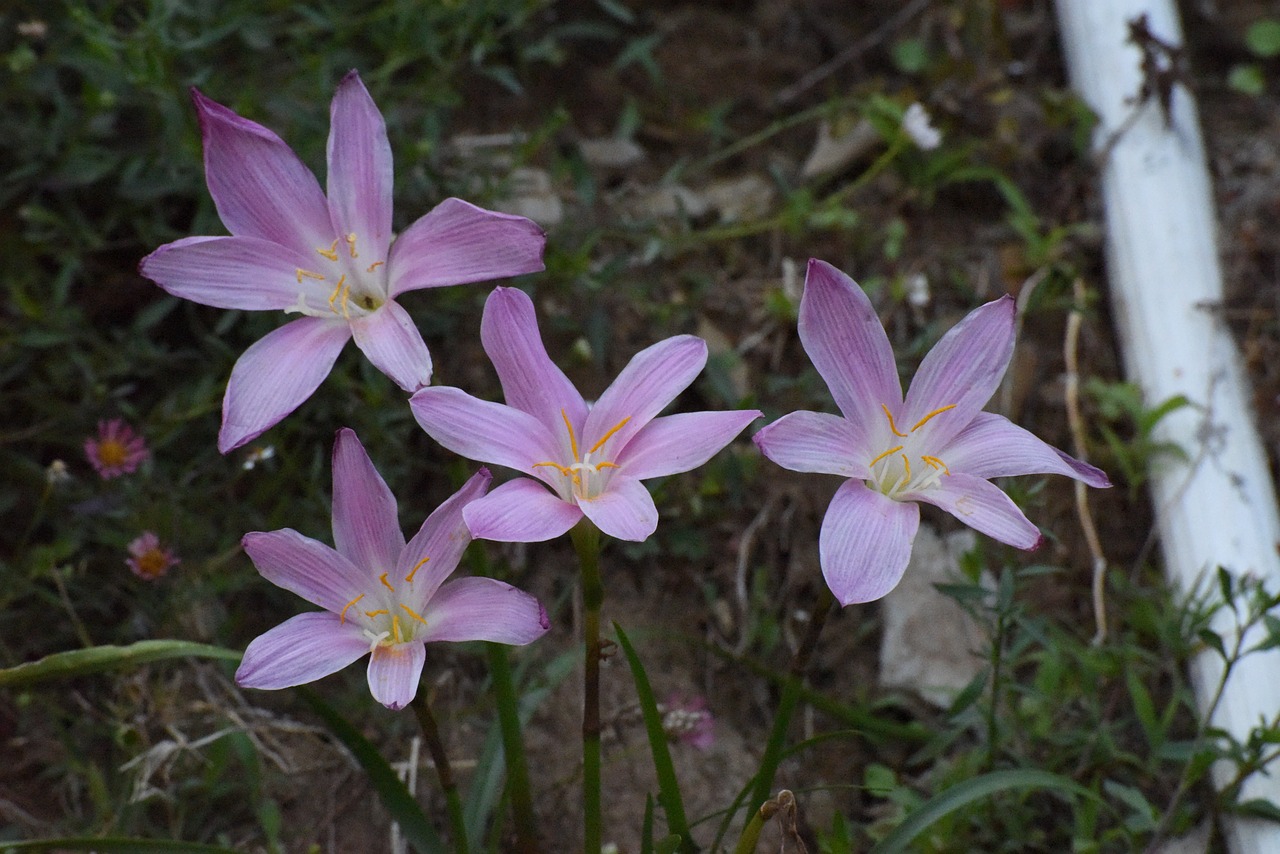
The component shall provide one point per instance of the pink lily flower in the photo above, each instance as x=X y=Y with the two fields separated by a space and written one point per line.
x=331 y=259
x=382 y=597
x=935 y=446
x=580 y=459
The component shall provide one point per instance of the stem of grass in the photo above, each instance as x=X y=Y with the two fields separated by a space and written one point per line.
x=586 y=541
x=431 y=734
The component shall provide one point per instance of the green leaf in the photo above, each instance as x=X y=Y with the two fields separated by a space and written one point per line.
x=112 y=845
x=395 y=797
x=910 y=55
x=963 y=794
x=1263 y=37
x=78 y=662
x=1247 y=79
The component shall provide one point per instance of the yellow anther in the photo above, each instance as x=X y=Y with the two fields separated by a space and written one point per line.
x=331 y=253
x=564 y=470
x=375 y=265
x=414 y=614
x=307 y=274
x=887 y=453
x=395 y=629
x=614 y=429
x=607 y=466
x=372 y=614
x=892 y=426
x=417 y=566
x=937 y=464
x=346 y=300
x=337 y=289
x=932 y=414
x=906 y=463
x=573 y=443
x=385 y=583
x=342 y=618
x=351 y=244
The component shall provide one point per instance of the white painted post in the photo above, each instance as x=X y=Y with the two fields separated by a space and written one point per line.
x=1219 y=509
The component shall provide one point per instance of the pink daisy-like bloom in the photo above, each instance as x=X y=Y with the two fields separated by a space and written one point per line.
x=116 y=450
x=148 y=559
x=689 y=721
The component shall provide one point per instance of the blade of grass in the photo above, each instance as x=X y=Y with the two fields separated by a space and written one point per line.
x=78 y=662
x=668 y=786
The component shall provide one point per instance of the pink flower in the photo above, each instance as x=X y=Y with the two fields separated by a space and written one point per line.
x=148 y=559
x=331 y=259
x=935 y=446
x=382 y=597
x=689 y=721
x=580 y=459
x=116 y=450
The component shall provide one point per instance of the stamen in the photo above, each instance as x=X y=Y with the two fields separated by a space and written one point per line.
x=395 y=629
x=564 y=470
x=573 y=443
x=907 y=464
x=331 y=253
x=372 y=614
x=337 y=289
x=932 y=414
x=342 y=618
x=351 y=244
x=607 y=466
x=614 y=429
x=375 y=265
x=417 y=566
x=301 y=274
x=937 y=464
x=346 y=300
x=385 y=583
x=887 y=453
x=892 y=426
x=414 y=614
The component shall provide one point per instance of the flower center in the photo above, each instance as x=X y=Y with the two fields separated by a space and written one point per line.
x=152 y=563
x=112 y=452
x=355 y=291
x=583 y=479
x=892 y=472
x=394 y=622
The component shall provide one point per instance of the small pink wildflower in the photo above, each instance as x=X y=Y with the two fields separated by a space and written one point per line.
x=148 y=559
x=688 y=720
x=116 y=450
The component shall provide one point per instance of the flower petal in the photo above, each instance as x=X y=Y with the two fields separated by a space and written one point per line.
x=302 y=649
x=983 y=507
x=230 y=272
x=963 y=369
x=276 y=374
x=484 y=609
x=993 y=446
x=530 y=380
x=457 y=243
x=366 y=527
x=846 y=342
x=360 y=171
x=865 y=542
x=481 y=430
x=625 y=510
x=306 y=567
x=520 y=511
x=394 y=345
x=649 y=382
x=440 y=541
x=814 y=442
x=676 y=443
x=259 y=186
x=394 y=673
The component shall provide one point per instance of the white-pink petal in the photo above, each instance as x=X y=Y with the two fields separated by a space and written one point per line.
x=520 y=511
x=993 y=446
x=366 y=526
x=300 y=650
x=394 y=673
x=625 y=510
x=646 y=386
x=484 y=609
x=390 y=340
x=530 y=380
x=360 y=170
x=815 y=442
x=677 y=443
x=457 y=243
x=482 y=430
x=306 y=567
x=230 y=272
x=865 y=542
x=259 y=186
x=983 y=507
x=441 y=540
x=276 y=374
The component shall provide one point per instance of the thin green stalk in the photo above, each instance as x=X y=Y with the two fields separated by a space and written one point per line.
x=507 y=701
x=586 y=541
x=453 y=804
x=791 y=690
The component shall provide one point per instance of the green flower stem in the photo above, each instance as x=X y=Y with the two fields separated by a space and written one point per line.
x=791 y=690
x=586 y=541
x=504 y=692
x=431 y=734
